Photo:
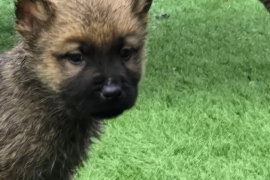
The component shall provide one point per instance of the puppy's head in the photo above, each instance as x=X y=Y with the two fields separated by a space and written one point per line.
x=90 y=52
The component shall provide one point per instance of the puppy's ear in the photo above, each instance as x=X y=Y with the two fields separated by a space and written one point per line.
x=32 y=16
x=141 y=9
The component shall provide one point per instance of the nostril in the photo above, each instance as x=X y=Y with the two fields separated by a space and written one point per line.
x=111 y=92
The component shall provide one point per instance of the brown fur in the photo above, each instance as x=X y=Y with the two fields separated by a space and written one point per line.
x=42 y=135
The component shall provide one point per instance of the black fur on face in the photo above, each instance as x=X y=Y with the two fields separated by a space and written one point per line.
x=104 y=89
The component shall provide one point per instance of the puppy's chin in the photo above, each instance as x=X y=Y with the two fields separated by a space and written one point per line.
x=109 y=110
x=112 y=110
x=107 y=114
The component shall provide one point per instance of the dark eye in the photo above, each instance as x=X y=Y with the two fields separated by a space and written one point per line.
x=75 y=59
x=126 y=53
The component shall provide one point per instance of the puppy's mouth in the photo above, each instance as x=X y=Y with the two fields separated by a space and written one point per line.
x=112 y=109
x=99 y=108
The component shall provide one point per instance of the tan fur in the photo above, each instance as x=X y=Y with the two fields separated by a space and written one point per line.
x=71 y=27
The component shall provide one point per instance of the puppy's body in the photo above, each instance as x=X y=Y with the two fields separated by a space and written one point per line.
x=78 y=62
x=38 y=139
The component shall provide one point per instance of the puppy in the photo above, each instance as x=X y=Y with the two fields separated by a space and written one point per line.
x=76 y=63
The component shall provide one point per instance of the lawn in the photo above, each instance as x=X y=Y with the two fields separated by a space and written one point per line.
x=204 y=105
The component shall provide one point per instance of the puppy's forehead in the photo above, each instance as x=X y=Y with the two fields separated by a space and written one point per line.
x=93 y=6
x=97 y=21
x=97 y=2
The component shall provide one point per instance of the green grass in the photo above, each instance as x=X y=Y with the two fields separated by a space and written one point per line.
x=204 y=105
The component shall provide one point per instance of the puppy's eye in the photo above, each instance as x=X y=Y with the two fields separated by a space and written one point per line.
x=126 y=53
x=75 y=59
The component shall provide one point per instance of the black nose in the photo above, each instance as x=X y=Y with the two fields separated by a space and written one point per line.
x=111 y=91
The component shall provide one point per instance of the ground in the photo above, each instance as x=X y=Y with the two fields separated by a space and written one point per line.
x=204 y=105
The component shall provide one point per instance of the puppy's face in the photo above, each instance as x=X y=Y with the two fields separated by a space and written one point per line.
x=89 y=52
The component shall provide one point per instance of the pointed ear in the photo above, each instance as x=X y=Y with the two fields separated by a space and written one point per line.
x=141 y=9
x=32 y=16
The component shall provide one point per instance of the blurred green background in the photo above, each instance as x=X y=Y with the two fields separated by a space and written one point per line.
x=203 y=110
